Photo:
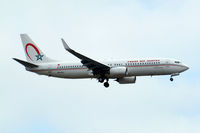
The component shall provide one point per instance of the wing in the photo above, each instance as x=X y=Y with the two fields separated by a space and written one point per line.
x=97 y=67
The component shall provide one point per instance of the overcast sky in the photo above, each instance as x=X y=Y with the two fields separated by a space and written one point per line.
x=102 y=30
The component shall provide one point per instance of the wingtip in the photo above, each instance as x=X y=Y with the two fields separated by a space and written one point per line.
x=65 y=44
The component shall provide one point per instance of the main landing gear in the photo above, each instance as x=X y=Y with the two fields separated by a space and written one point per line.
x=106 y=84
x=101 y=80
x=171 y=79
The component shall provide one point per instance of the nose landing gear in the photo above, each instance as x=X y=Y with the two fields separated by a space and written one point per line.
x=175 y=74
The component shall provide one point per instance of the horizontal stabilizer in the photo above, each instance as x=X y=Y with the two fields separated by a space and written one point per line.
x=26 y=64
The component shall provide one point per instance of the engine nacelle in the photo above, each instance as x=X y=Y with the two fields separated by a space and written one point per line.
x=118 y=72
x=127 y=80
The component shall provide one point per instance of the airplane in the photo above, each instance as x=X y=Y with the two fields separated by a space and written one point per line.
x=123 y=71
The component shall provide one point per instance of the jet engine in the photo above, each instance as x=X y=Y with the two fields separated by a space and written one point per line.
x=127 y=80
x=118 y=72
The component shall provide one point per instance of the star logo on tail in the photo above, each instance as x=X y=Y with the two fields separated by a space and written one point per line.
x=39 y=57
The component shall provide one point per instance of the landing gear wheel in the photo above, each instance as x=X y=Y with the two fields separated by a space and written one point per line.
x=171 y=79
x=101 y=80
x=106 y=84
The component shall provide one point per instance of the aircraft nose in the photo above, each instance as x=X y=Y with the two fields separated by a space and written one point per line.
x=186 y=68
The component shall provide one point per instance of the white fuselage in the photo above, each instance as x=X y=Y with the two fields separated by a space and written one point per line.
x=124 y=71
x=144 y=67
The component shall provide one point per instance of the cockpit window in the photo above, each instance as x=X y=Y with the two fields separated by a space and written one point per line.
x=177 y=62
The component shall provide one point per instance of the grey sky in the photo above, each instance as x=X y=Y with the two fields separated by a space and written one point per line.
x=101 y=30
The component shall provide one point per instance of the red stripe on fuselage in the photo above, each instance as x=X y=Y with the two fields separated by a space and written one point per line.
x=87 y=68
x=60 y=69
x=155 y=65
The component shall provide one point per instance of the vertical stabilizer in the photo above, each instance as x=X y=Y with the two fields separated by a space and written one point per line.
x=32 y=52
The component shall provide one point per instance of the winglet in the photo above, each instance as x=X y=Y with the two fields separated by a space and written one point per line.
x=65 y=45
